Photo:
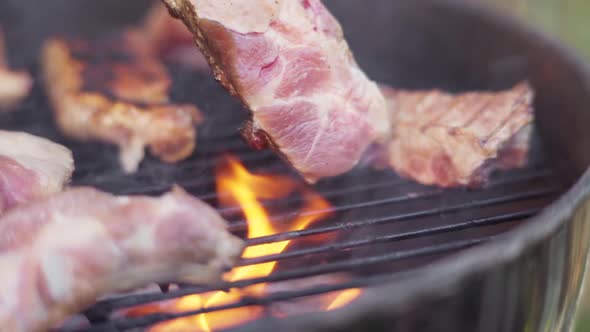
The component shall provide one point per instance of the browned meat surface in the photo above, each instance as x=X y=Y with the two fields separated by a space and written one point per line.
x=14 y=85
x=31 y=167
x=457 y=140
x=114 y=90
x=288 y=62
x=58 y=255
x=172 y=40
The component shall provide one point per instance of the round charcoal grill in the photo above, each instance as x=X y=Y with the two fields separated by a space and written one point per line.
x=508 y=257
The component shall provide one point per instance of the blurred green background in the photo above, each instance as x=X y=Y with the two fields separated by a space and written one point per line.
x=568 y=20
x=565 y=19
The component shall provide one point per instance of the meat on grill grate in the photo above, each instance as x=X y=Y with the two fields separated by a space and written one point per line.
x=114 y=90
x=62 y=253
x=457 y=140
x=31 y=167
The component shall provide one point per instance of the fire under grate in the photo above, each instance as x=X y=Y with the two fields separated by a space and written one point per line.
x=382 y=227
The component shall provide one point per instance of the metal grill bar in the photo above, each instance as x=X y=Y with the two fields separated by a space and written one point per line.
x=401 y=217
x=188 y=183
x=391 y=238
x=256 y=156
x=234 y=146
x=328 y=194
x=282 y=296
x=411 y=197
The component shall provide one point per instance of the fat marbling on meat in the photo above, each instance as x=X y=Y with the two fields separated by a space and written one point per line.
x=60 y=254
x=453 y=140
x=31 y=167
x=288 y=62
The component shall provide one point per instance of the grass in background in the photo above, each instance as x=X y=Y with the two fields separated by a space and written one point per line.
x=569 y=20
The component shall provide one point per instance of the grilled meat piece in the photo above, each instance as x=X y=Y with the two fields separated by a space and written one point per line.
x=290 y=65
x=60 y=254
x=31 y=167
x=457 y=140
x=14 y=85
x=114 y=90
x=171 y=40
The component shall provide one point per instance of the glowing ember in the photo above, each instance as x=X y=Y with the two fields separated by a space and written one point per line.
x=237 y=186
x=344 y=298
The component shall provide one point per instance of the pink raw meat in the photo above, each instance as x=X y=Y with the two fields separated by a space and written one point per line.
x=60 y=254
x=31 y=167
x=453 y=140
x=289 y=64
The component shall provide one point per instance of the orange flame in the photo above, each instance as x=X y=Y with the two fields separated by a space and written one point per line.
x=344 y=298
x=235 y=185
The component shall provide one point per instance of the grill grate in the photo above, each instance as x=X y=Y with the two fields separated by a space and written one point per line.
x=383 y=226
